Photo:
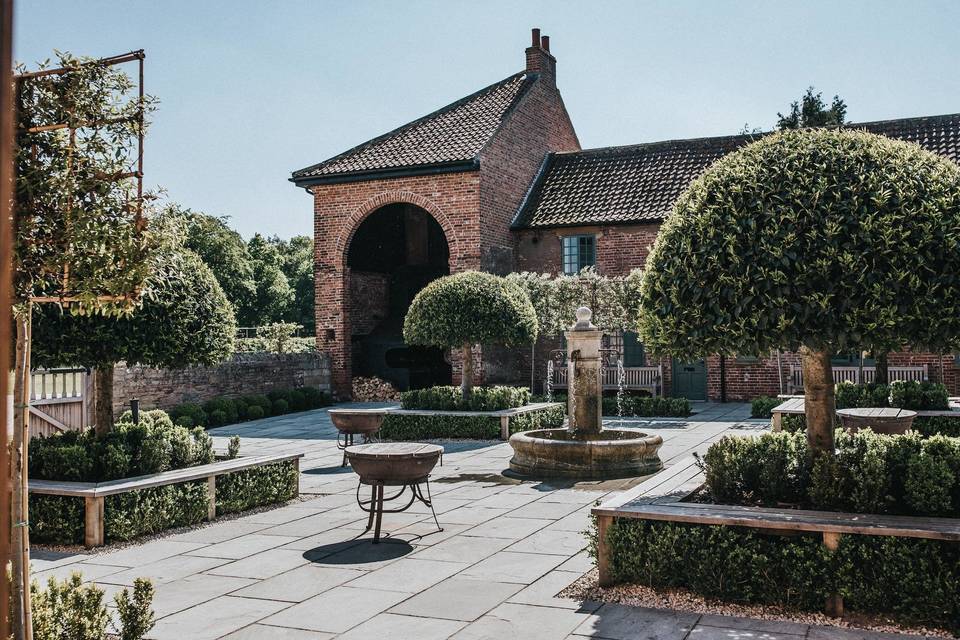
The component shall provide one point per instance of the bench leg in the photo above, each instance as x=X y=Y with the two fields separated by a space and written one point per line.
x=603 y=551
x=834 y=605
x=93 y=522
x=212 y=498
x=504 y=427
x=777 y=421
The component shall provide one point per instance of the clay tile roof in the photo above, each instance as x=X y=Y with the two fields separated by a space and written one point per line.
x=639 y=183
x=452 y=135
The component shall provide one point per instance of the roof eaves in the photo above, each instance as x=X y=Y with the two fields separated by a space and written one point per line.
x=453 y=166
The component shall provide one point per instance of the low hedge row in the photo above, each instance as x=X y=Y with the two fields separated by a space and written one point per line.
x=451 y=398
x=221 y=411
x=60 y=519
x=870 y=473
x=926 y=426
x=763 y=406
x=914 y=395
x=412 y=427
x=910 y=578
x=639 y=406
x=152 y=446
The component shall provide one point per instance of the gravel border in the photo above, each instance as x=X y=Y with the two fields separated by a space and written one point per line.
x=586 y=588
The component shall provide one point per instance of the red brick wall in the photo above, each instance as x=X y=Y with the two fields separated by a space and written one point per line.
x=452 y=199
x=539 y=124
x=620 y=248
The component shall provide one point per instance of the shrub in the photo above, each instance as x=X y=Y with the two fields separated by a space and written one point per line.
x=255 y=412
x=933 y=425
x=869 y=473
x=912 y=579
x=298 y=401
x=233 y=449
x=221 y=411
x=435 y=427
x=134 y=611
x=315 y=398
x=451 y=399
x=849 y=395
x=147 y=511
x=185 y=421
x=919 y=395
x=191 y=410
x=259 y=400
x=68 y=610
x=279 y=407
x=762 y=406
x=258 y=486
x=279 y=394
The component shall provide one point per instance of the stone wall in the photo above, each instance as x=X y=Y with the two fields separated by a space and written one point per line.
x=247 y=373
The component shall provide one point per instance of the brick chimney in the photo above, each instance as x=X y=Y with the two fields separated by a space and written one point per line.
x=539 y=59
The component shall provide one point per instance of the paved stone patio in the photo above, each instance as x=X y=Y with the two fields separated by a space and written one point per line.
x=306 y=571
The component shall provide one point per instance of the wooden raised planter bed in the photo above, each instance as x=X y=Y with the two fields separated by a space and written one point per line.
x=93 y=493
x=661 y=498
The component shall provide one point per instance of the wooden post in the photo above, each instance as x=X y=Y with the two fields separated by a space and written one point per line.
x=296 y=466
x=504 y=427
x=93 y=535
x=603 y=551
x=834 y=605
x=777 y=421
x=212 y=498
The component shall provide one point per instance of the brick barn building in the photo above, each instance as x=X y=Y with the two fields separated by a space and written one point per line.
x=497 y=181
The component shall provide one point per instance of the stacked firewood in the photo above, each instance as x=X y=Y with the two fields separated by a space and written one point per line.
x=373 y=390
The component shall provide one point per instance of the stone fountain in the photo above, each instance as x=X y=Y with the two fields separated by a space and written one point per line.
x=585 y=449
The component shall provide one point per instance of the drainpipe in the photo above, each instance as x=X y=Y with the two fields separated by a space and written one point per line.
x=723 y=378
x=780 y=372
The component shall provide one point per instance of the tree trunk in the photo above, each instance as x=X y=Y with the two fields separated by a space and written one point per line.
x=818 y=399
x=20 y=533
x=882 y=375
x=466 y=376
x=103 y=422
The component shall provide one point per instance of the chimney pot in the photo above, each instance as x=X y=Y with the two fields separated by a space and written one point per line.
x=545 y=43
x=535 y=33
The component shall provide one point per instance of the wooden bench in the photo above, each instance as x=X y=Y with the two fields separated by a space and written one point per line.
x=661 y=499
x=94 y=493
x=504 y=414
x=794 y=405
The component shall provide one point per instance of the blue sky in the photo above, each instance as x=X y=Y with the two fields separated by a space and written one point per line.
x=250 y=91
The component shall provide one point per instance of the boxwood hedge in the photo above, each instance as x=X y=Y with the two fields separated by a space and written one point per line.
x=448 y=398
x=916 y=580
x=221 y=411
x=436 y=427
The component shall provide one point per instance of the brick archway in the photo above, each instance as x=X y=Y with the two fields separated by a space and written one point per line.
x=353 y=222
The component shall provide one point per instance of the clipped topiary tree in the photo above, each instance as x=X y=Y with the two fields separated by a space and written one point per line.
x=820 y=241
x=469 y=308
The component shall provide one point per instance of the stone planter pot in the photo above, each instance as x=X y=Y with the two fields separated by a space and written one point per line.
x=890 y=421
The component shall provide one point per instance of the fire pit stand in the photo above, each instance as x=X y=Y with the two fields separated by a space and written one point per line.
x=355 y=422
x=406 y=465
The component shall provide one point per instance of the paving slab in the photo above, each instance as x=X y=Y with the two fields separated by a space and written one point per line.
x=408 y=575
x=620 y=622
x=457 y=599
x=299 y=584
x=544 y=592
x=265 y=632
x=242 y=546
x=214 y=619
x=464 y=549
x=508 y=527
x=171 y=597
x=399 y=627
x=262 y=565
x=507 y=566
x=336 y=610
x=522 y=622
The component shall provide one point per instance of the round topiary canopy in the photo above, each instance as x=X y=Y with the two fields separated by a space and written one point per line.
x=836 y=240
x=470 y=307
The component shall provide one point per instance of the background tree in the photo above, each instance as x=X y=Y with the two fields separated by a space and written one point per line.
x=466 y=309
x=185 y=319
x=812 y=111
x=820 y=240
x=221 y=248
x=296 y=263
x=273 y=295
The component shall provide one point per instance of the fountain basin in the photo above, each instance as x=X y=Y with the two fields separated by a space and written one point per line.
x=562 y=453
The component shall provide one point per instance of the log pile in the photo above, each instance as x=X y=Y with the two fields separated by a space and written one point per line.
x=374 y=390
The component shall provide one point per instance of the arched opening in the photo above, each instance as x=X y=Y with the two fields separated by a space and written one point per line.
x=396 y=251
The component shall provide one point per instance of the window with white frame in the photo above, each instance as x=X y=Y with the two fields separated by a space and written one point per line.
x=578 y=252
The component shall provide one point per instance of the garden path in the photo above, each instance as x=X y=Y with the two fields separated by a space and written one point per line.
x=306 y=571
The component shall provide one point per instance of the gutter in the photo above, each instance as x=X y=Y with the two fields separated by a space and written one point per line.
x=454 y=166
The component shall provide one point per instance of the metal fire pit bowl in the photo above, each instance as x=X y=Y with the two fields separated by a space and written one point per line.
x=355 y=422
x=403 y=464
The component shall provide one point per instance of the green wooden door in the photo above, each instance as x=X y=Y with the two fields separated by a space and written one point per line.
x=690 y=379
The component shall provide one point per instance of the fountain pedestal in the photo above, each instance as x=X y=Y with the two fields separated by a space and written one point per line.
x=585 y=450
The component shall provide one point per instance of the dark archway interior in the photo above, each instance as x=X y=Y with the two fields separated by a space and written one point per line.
x=396 y=251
